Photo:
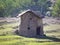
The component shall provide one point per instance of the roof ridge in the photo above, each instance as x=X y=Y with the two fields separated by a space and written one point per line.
x=37 y=13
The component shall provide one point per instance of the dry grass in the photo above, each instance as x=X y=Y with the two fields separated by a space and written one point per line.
x=7 y=37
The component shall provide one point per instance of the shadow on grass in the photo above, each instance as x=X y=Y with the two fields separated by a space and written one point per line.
x=54 y=39
x=50 y=38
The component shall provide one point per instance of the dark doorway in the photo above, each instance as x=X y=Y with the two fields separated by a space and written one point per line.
x=38 y=31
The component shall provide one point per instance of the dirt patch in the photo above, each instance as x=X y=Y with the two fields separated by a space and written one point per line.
x=50 y=20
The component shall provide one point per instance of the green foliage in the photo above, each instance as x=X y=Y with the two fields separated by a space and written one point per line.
x=13 y=7
x=56 y=9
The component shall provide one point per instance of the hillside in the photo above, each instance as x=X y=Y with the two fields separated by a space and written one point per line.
x=9 y=25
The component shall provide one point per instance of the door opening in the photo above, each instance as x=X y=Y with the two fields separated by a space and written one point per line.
x=38 y=30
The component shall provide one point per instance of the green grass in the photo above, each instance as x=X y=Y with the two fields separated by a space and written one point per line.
x=52 y=30
x=18 y=40
x=7 y=29
x=52 y=27
x=7 y=37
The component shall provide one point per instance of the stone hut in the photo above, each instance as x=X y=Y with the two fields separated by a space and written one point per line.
x=31 y=24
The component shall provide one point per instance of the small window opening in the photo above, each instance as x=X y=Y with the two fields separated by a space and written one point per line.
x=28 y=28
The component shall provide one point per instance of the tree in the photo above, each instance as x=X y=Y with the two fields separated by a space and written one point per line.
x=56 y=9
x=13 y=7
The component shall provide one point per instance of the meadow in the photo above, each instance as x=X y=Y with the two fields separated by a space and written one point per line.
x=9 y=37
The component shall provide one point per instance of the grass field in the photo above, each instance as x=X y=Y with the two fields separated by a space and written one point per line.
x=8 y=37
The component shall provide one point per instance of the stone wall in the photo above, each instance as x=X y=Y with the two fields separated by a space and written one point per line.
x=29 y=23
